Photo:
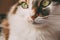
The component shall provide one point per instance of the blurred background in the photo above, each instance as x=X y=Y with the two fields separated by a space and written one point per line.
x=6 y=4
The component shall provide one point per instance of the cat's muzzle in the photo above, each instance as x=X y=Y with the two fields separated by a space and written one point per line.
x=39 y=20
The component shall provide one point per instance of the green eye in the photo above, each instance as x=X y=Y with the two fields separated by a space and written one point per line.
x=46 y=3
x=24 y=5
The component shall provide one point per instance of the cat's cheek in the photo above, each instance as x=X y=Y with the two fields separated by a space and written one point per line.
x=29 y=19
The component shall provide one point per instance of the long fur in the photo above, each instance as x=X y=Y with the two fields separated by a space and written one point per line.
x=21 y=27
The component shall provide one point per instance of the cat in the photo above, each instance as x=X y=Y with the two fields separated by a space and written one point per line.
x=26 y=21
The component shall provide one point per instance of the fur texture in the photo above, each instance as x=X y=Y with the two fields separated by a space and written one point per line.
x=22 y=26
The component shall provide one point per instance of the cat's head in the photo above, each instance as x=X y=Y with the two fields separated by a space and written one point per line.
x=36 y=10
x=33 y=10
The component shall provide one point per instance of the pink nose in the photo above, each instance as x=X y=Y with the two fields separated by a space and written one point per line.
x=36 y=14
x=34 y=17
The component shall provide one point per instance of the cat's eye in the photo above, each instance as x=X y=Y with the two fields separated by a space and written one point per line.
x=45 y=3
x=24 y=5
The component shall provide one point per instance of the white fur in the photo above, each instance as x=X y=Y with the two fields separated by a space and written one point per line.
x=22 y=28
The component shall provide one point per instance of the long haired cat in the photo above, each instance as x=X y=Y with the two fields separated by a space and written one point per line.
x=33 y=20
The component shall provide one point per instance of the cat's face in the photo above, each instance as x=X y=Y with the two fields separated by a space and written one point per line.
x=33 y=10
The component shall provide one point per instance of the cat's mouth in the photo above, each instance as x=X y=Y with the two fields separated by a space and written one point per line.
x=38 y=20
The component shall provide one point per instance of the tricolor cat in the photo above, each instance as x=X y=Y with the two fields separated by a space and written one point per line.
x=29 y=20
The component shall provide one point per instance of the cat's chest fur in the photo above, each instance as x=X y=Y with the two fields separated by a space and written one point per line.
x=21 y=29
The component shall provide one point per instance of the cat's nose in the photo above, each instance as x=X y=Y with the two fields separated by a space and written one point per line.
x=35 y=16
x=44 y=14
x=39 y=19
